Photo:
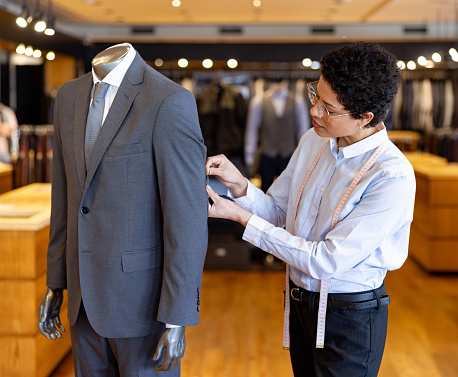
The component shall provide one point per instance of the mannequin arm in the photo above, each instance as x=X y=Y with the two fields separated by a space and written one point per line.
x=173 y=343
x=49 y=314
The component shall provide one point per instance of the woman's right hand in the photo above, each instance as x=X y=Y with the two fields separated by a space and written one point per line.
x=225 y=171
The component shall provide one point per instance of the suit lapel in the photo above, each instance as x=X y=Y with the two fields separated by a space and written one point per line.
x=83 y=97
x=127 y=92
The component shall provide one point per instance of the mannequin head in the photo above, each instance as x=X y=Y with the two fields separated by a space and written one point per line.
x=104 y=62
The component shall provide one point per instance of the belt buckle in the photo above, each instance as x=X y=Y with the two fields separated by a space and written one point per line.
x=293 y=290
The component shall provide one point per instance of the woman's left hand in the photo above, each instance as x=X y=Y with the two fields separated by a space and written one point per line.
x=226 y=209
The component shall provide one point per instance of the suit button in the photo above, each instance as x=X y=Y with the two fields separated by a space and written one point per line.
x=84 y=210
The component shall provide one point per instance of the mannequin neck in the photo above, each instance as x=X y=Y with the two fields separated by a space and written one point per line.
x=105 y=61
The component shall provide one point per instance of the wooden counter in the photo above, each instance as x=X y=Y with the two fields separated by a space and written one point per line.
x=24 y=235
x=434 y=234
x=404 y=140
x=6 y=177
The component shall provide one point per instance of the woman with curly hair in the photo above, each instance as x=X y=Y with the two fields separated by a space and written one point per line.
x=339 y=216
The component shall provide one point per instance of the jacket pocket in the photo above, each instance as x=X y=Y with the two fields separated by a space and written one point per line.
x=141 y=260
x=122 y=150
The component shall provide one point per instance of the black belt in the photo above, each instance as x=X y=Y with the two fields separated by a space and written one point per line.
x=350 y=301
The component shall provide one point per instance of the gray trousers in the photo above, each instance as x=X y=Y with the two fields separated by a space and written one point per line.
x=96 y=356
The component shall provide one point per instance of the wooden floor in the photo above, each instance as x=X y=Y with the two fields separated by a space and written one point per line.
x=240 y=334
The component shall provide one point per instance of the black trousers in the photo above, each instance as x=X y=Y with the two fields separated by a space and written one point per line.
x=96 y=356
x=353 y=345
x=269 y=168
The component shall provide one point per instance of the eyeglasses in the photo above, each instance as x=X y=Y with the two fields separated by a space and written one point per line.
x=315 y=99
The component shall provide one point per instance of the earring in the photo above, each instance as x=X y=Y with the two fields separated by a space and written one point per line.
x=360 y=127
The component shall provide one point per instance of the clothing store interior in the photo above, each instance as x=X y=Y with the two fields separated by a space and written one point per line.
x=247 y=63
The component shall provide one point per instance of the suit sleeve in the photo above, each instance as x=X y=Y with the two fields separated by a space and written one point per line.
x=56 y=263
x=180 y=154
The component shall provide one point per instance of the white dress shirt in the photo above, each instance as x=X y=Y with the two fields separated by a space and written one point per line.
x=373 y=233
x=114 y=78
x=254 y=118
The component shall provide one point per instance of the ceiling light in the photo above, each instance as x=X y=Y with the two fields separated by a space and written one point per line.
x=29 y=51
x=401 y=64
x=158 y=62
x=50 y=55
x=37 y=54
x=207 y=63
x=421 y=60
x=452 y=51
x=429 y=64
x=51 y=20
x=411 y=65
x=315 y=65
x=50 y=27
x=232 y=63
x=50 y=31
x=20 y=49
x=257 y=3
x=24 y=19
x=40 y=24
x=455 y=58
x=307 y=62
x=183 y=63
x=437 y=57
x=176 y=3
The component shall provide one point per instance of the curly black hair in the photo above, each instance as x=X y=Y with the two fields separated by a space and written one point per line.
x=365 y=77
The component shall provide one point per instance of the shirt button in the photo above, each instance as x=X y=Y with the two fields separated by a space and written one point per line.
x=312 y=214
x=321 y=189
x=84 y=210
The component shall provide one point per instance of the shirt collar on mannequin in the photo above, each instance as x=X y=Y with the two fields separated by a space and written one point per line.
x=116 y=76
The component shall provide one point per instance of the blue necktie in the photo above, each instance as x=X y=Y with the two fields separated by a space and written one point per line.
x=94 y=120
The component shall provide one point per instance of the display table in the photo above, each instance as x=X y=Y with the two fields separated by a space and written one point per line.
x=404 y=140
x=6 y=177
x=24 y=235
x=434 y=234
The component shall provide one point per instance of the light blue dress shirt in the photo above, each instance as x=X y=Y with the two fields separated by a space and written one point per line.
x=373 y=233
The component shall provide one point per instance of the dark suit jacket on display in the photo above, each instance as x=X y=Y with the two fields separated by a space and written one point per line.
x=129 y=237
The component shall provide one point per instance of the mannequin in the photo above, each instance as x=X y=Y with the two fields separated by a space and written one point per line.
x=172 y=343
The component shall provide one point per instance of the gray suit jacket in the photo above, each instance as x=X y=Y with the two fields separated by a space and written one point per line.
x=130 y=237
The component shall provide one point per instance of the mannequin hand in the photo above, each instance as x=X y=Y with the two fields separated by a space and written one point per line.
x=174 y=342
x=226 y=209
x=227 y=174
x=48 y=314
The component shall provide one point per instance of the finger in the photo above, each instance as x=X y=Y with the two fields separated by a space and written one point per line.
x=59 y=324
x=215 y=160
x=47 y=328
x=175 y=362
x=158 y=353
x=165 y=364
x=42 y=329
x=54 y=331
x=217 y=172
x=213 y=195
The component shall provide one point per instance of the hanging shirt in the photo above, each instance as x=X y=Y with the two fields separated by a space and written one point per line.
x=254 y=119
x=115 y=77
x=372 y=235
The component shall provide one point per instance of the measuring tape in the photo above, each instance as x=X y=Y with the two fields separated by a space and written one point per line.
x=324 y=284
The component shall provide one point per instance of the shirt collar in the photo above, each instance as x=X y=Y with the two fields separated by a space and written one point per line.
x=116 y=76
x=366 y=144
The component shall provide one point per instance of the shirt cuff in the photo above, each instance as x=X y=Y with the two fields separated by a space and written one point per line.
x=168 y=326
x=246 y=200
x=254 y=229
